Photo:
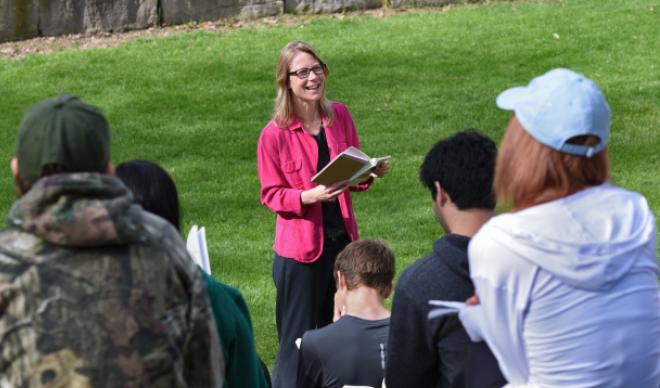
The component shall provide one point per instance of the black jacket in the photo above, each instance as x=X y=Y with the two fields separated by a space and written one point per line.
x=425 y=353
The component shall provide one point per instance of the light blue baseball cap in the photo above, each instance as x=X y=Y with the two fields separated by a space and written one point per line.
x=558 y=106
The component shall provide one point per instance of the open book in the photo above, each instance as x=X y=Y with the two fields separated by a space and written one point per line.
x=196 y=245
x=352 y=164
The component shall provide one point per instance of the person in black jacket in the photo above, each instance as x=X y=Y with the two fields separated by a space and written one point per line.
x=432 y=353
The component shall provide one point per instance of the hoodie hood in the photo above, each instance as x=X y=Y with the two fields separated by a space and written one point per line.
x=78 y=210
x=589 y=239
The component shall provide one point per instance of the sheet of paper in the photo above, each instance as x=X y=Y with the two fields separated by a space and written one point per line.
x=441 y=308
x=198 y=249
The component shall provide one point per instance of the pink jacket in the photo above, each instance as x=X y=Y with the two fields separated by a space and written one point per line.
x=286 y=162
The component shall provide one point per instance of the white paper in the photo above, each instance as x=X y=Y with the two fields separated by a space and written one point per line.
x=196 y=245
x=443 y=308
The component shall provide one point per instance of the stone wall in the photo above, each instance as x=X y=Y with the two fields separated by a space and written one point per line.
x=23 y=19
x=178 y=11
x=18 y=20
x=328 y=6
x=422 y=3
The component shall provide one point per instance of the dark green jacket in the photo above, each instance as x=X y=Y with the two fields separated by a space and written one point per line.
x=235 y=327
x=96 y=292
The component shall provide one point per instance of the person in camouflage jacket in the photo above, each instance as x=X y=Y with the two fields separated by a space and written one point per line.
x=94 y=291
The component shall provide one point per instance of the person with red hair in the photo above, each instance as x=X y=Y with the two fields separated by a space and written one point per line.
x=567 y=280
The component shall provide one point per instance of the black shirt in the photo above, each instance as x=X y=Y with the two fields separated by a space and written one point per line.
x=350 y=351
x=333 y=224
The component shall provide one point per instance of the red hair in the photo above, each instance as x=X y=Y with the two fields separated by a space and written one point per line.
x=529 y=173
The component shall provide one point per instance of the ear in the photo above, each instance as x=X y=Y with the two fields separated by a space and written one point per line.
x=13 y=165
x=441 y=196
x=341 y=281
x=110 y=169
x=21 y=187
x=388 y=292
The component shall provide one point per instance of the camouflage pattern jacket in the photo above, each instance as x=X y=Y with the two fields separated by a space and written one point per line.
x=96 y=292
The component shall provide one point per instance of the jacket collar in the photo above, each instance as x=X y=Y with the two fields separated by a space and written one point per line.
x=78 y=209
x=296 y=124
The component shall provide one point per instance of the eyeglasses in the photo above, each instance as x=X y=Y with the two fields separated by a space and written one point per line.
x=318 y=69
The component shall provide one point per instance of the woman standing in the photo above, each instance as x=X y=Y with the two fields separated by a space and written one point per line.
x=567 y=281
x=314 y=222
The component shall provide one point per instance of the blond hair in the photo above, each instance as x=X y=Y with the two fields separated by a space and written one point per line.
x=283 y=113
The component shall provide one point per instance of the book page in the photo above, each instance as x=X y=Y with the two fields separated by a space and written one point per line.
x=377 y=161
x=204 y=250
x=365 y=171
x=441 y=308
x=342 y=167
x=198 y=249
x=192 y=244
x=355 y=152
x=352 y=165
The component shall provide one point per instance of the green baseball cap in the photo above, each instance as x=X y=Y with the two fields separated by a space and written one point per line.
x=65 y=131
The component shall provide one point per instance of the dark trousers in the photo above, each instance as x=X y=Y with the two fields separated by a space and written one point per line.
x=305 y=300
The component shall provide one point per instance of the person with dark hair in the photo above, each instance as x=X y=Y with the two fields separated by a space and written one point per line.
x=351 y=351
x=155 y=191
x=313 y=222
x=94 y=291
x=152 y=188
x=458 y=171
x=567 y=282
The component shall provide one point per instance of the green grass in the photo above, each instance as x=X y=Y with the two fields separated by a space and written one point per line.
x=196 y=103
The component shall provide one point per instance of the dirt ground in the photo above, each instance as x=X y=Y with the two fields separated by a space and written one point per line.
x=20 y=49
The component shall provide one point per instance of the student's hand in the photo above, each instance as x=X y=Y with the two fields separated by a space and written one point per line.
x=473 y=300
x=382 y=169
x=323 y=193
x=340 y=307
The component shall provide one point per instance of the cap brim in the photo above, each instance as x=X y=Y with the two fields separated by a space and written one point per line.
x=508 y=99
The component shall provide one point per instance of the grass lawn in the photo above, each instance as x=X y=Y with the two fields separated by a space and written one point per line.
x=196 y=103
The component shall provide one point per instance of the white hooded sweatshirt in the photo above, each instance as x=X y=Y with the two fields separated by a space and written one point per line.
x=569 y=292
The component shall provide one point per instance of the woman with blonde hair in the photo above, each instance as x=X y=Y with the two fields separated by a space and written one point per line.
x=313 y=222
x=567 y=281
